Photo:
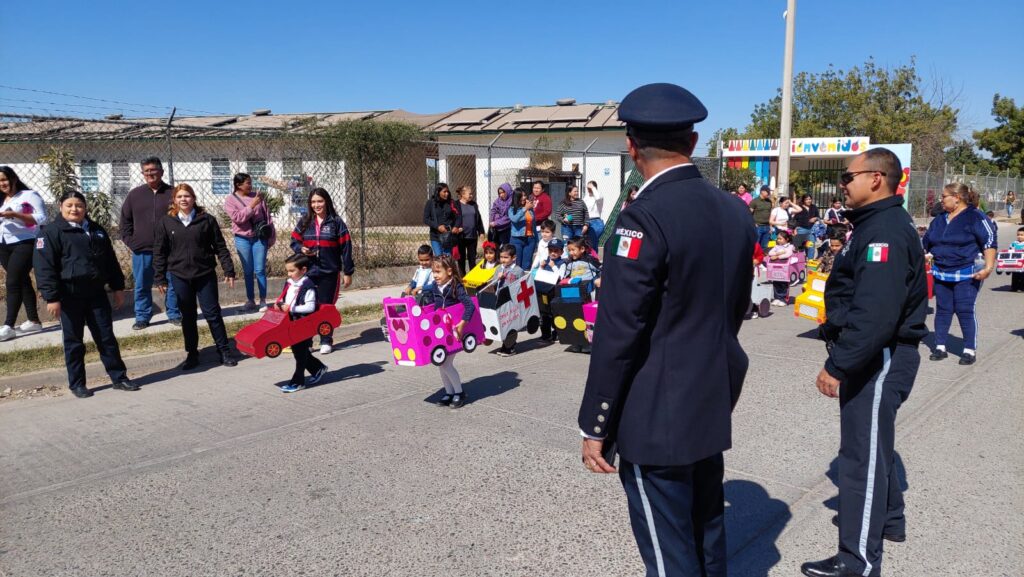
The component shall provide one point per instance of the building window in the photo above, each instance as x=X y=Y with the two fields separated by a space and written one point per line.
x=257 y=168
x=122 y=180
x=221 y=169
x=291 y=172
x=90 y=176
x=292 y=169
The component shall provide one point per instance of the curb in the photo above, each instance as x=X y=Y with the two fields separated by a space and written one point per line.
x=139 y=366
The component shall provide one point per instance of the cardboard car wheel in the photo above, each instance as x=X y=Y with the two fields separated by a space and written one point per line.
x=469 y=343
x=324 y=329
x=438 y=356
x=273 y=350
x=803 y=275
x=533 y=325
x=793 y=279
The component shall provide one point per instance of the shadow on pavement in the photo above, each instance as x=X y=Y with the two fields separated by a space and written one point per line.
x=209 y=358
x=753 y=521
x=351 y=372
x=954 y=344
x=481 y=388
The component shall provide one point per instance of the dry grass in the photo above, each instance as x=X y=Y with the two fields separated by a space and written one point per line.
x=32 y=360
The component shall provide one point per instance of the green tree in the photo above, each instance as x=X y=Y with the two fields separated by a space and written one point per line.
x=963 y=156
x=60 y=160
x=886 y=104
x=1006 y=141
x=732 y=178
x=719 y=136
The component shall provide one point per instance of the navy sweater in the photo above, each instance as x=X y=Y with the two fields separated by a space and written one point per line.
x=955 y=243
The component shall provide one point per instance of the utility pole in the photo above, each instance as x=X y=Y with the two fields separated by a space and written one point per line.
x=786 y=128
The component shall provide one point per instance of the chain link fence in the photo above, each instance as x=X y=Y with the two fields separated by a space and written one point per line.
x=926 y=188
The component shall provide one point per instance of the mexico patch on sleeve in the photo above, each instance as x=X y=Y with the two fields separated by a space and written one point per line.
x=628 y=242
x=878 y=252
x=40 y=243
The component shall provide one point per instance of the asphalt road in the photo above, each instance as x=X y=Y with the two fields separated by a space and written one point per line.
x=218 y=473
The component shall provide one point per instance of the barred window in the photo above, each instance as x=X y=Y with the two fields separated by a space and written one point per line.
x=256 y=167
x=292 y=169
x=221 y=169
x=122 y=180
x=90 y=176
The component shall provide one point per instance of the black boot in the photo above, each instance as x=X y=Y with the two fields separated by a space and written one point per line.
x=831 y=567
x=191 y=361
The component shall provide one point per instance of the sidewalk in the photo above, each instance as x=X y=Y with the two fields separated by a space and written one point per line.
x=51 y=334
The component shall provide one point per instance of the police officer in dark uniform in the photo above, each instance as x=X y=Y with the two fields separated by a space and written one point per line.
x=876 y=298
x=74 y=262
x=667 y=366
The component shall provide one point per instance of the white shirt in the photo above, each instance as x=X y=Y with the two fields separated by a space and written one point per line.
x=594 y=204
x=779 y=217
x=14 y=230
x=655 y=177
x=421 y=277
x=293 y=295
x=186 y=219
x=540 y=254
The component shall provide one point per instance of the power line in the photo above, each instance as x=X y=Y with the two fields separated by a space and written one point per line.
x=110 y=101
x=107 y=108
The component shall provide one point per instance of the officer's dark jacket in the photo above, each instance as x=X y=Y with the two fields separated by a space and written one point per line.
x=666 y=367
x=68 y=262
x=332 y=248
x=189 y=252
x=877 y=292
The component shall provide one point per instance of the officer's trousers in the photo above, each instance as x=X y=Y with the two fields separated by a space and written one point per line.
x=93 y=311
x=870 y=495
x=678 y=516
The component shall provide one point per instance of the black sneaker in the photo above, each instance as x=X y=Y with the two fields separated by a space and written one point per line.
x=81 y=392
x=503 y=352
x=458 y=400
x=938 y=355
x=190 y=362
x=444 y=401
x=139 y=325
x=967 y=359
x=125 y=385
x=175 y=322
x=228 y=361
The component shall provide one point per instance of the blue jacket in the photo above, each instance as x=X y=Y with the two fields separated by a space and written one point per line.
x=518 y=219
x=955 y=243
x=332 y=248
x=451 y=294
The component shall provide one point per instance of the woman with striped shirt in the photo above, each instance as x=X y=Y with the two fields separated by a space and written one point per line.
x=572 y=214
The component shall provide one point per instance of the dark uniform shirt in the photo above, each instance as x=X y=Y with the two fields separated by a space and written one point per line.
x=667 y=367
x=877 y=293
x=70 y=262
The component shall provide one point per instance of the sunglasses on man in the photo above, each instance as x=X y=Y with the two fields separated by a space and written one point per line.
x=847 y=177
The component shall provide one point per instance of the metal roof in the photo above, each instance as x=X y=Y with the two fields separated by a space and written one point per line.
x=17 y=127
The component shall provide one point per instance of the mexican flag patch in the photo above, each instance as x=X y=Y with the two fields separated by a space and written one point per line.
x=878 y=252
x=627 y=243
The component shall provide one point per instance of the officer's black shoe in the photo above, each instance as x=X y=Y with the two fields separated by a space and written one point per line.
x=831 y=567
x=190 y=362
x=81 y=392
x=967 y=359
x=444 y=401
x=228 y=361
x=894 y=537
x=139 y=325
x=126 y=385
x=938 y=355
x=458 y=400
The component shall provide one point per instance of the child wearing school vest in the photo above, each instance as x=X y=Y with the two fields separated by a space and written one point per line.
x=298 y=299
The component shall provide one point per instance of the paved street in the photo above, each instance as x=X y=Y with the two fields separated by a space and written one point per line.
x=218 y=473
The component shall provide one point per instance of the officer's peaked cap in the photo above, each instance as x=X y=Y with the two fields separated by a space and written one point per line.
x=661 y=107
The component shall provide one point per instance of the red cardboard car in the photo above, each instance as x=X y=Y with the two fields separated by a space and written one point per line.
x=268 y=336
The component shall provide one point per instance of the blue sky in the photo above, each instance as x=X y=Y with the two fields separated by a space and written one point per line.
x=319 y=56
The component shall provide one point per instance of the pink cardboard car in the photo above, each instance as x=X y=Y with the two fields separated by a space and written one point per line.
x=268 y=336
x=590 y=317
x=422 y=335
x=793 y=270
x=1010 y=261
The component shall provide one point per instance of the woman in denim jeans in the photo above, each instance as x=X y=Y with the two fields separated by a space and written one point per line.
x=805 y=214
x=523 y=238
x=248 y=212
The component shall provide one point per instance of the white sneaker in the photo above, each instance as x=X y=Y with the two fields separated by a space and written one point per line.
x=326 y=349
x=263 y=306
x=778 y=303
x=7 y=333
x=30 y=327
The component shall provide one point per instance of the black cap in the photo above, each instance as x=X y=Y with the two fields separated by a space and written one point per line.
x=765 y=187
x=661 y=107
x=555 y=243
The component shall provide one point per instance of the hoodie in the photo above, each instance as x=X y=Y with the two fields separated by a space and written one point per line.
x=499 y=209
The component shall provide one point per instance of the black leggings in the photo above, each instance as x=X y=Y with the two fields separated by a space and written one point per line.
x=16 y=259
x=467 y=253
x=327 y=286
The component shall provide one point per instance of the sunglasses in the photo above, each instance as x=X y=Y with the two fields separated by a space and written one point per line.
x=847 y=177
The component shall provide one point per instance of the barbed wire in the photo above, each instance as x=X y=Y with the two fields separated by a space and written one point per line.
x=153 y=106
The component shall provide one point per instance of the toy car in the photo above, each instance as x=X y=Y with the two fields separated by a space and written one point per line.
x=567 y=310
x=793 y=270
x=478 y=277
x=590 y=318
x=811 y=303
x=1010 y=261
x=268 y=336
x=421 y=335
x=510 y=309
x=761 y=293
